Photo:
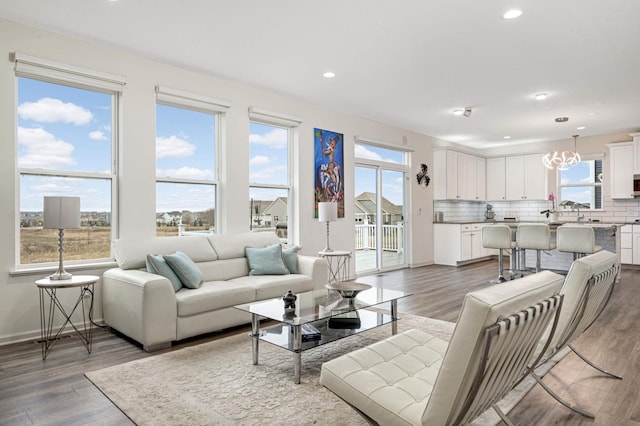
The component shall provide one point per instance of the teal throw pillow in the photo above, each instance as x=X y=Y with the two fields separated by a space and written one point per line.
x=185 y=268
x=290 y=256
x=157 y=265
x=266 y=261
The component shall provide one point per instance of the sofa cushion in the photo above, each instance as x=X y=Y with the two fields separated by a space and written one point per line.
x=290 y=256
x=266 y=261
x=185 y=268
x=213 y=295
x=157 y=265
x=230 y=246
x=132 y=253
x=270 y=286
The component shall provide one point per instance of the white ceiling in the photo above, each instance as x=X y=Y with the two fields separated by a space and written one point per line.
x=406 y=63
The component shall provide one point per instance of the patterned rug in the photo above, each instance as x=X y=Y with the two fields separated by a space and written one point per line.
x=215 y=383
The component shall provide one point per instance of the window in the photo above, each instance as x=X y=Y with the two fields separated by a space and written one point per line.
x=270 y=141
x=581 y=185
x=187 y=140
x=66 y=144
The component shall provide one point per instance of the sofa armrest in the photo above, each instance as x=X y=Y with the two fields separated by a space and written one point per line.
x=315 y=267
x=140 y=305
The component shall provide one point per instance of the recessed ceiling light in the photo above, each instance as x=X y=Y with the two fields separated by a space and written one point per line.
x=458 y=111
x=507 y=137
x=581 y=127
x=541 y=96
x=511 y=14
x=329 y=74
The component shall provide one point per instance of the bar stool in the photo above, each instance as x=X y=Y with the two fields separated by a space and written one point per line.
x=534 y=236
x=498 y=237
x=577 y=239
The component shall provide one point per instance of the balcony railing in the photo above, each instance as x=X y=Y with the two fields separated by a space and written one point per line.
x=392 y=237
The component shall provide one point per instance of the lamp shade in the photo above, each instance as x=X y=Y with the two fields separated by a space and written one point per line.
x=61 y=212
x=327 y=212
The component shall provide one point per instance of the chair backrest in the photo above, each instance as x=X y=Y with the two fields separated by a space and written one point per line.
x=534 y=236
x=523 y=302
x=496 y=236
x=576 y=238
x=586 y=291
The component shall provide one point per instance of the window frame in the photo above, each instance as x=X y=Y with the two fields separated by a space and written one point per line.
x=38 y=69
x=291 y=124
x=559 y=185
x=199 y=103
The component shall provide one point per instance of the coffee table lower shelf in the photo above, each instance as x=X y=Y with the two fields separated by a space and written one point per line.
x=286 y=335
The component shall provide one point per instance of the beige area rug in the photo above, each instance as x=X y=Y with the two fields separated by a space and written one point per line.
x=215 y=383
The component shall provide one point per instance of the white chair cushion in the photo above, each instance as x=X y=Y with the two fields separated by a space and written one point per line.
x=497 y=237
x=576 y=239
x=392 y=378
x=535 y=236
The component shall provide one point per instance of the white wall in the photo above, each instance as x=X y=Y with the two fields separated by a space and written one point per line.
x=19 y=312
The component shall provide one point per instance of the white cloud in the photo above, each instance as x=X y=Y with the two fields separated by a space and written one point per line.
x=98 y=135
x=259 y=160
x=276 y=138
x=173 y=147
x=266 y=175
x=43 y=150
x=362 y=152
x=185 y=173
x=49 y=110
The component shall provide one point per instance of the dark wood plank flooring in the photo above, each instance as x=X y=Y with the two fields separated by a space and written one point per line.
x=55 y=391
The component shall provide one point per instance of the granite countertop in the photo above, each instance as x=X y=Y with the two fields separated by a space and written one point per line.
x=556 y=224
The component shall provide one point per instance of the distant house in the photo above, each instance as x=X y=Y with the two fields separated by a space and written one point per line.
x=365 y=206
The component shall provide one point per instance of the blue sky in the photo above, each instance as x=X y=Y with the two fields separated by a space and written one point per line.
x=63 y=128
x=69 y=129
x=365 y=178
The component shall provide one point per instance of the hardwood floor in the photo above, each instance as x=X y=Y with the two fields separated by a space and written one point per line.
x=55 y=391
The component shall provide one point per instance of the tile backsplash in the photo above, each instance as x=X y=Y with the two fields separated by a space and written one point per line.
x=529 y=211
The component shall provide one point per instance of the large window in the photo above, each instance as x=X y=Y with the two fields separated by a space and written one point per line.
x=270 y=140
x=66 y=139
x=187 y=140
x=581 y=185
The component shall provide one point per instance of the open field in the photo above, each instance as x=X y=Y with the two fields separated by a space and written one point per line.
x=39 y=245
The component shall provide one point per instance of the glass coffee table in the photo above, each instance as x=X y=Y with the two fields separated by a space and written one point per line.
x=319 y=317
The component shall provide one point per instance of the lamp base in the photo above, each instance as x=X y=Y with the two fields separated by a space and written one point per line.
x=60 y=275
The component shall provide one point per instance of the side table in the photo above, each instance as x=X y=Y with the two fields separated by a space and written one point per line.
x=339 y=264
x=48 y=292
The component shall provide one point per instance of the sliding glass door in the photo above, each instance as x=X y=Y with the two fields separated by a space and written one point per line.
x=380 y=232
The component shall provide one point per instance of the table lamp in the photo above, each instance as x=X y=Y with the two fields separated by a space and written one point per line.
x=61 y=213
x=327 y=212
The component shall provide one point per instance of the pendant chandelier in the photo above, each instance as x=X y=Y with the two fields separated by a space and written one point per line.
x=562 y=160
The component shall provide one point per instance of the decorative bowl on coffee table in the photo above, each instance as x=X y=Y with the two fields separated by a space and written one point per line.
x=347 y=290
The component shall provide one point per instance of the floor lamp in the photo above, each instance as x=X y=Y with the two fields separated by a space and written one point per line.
x=327 y=212
x=61 y=213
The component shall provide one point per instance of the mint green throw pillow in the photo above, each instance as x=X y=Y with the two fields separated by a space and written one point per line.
x=157 y=265
x=290 y=256
x=266 y=261
x=185 y=268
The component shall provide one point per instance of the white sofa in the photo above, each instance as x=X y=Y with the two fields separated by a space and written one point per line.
x=145 y=307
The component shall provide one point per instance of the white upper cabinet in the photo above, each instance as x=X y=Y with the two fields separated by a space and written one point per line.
x=621 y=166
x=525 y=178
x=496 y=179
x=458 y=176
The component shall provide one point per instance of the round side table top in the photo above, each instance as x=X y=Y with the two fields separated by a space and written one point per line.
x=74 y=281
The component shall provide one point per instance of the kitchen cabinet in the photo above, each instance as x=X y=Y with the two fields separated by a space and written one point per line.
x=496 y=179
x=626 y=244
x=458 y=176
x=636 y=152
x=458 y=243
x=525 y=178
x=621 y=163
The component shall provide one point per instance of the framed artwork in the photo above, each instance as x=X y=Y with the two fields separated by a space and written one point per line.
x=329 y=168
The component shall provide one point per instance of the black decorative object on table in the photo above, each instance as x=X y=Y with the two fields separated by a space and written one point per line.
x=289 y=301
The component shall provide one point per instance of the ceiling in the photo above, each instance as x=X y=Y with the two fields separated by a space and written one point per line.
x=408 y=66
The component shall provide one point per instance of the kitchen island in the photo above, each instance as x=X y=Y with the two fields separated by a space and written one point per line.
x=459 y=243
